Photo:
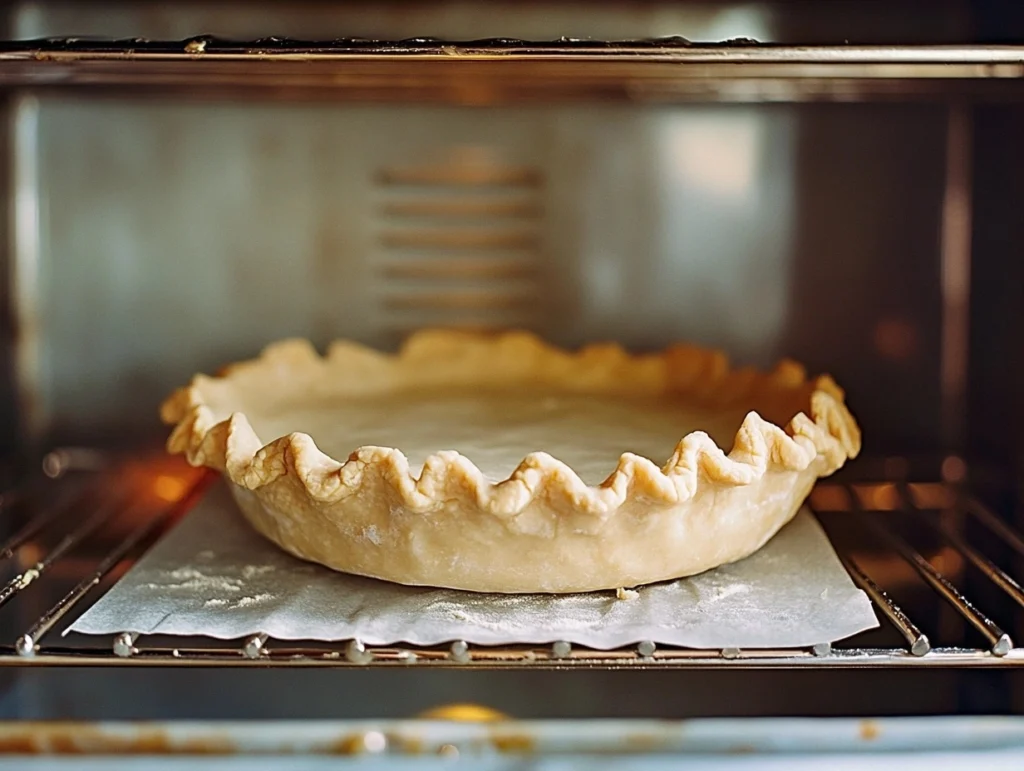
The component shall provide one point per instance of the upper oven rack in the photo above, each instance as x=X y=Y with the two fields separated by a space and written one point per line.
x=490 y=71
x=83 y=494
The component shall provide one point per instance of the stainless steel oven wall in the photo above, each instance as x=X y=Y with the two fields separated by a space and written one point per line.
x=176 y=236
x=154 y=237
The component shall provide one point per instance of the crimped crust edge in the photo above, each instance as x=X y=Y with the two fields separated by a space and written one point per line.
x=825 y=433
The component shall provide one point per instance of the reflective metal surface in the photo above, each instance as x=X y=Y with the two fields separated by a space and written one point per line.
x=153 y=237
x=481 y=74
x=499 y=736
x=158 y=239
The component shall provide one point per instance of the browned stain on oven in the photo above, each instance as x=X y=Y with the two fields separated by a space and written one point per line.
x=406 y=744
x=512 y=744
x=353 y=744
x=208 y=746
x=19 y=744
x=644 y=742
x=150 y=742
x=72 y=739
x=742 y=749
x=869 y=730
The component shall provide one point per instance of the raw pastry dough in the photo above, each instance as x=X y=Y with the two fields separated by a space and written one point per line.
x=501 y=464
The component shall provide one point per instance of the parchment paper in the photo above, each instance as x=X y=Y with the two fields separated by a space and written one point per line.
x=214 y=576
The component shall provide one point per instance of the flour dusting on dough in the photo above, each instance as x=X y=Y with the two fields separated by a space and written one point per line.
x=245 y=602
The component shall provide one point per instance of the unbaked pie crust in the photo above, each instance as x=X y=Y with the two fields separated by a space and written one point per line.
x=502 y=464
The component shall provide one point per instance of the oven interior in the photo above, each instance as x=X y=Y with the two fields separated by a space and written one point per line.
x=174 y=206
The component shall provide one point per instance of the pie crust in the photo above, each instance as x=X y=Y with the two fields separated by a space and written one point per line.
x=514 y=523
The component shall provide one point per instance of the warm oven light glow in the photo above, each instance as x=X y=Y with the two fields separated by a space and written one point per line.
x=169 y=488
x=879 y=497
x=463 y=713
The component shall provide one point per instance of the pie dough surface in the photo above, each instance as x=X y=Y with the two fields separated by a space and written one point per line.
x=496 y=430
x=501 y=464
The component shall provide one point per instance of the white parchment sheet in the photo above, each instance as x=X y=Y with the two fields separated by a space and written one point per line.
x=213 y=576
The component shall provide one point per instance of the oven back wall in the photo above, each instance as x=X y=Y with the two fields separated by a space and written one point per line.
x=156 y=239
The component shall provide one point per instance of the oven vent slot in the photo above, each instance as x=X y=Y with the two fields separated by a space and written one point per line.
x=460 y=245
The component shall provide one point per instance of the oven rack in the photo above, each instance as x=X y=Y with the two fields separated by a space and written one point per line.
x=101 y=514
x=491 y=71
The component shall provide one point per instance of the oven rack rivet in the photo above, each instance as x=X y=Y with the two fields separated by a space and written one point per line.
x=25 y=646
x=356 y=653
x=124 y=644
x=253 y=647
x=646 y=648
x=561 y=649
x=459 y=652
x=448 y=751
x=730 y=653
x=54 y=464
x=1002 y=646
x=374 y=742
x=822 y=649
x=921 y=646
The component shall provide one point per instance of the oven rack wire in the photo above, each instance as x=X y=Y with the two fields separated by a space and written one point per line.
x=91 y=503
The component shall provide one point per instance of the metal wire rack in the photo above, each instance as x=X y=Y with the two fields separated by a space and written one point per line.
x=938 y=564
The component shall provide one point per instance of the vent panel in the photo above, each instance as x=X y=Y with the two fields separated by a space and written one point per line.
x=460 y=244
